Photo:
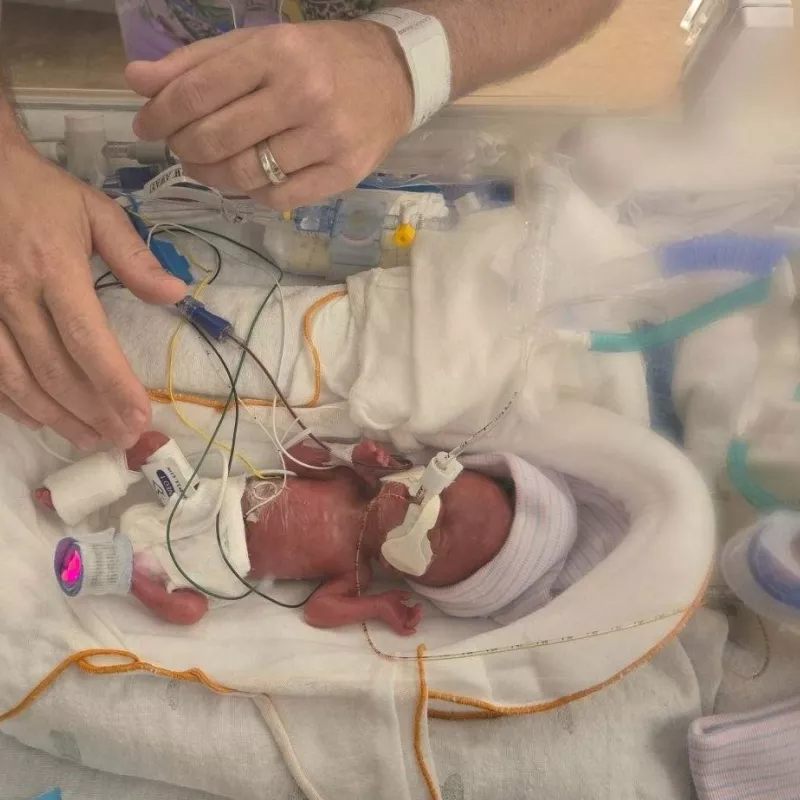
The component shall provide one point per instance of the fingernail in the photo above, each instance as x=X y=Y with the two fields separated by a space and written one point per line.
x=126 y=440
x=86 y=442
x=136 y=420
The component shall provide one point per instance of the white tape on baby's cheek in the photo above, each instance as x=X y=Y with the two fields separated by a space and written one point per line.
x=424 y=42
x=89 y=485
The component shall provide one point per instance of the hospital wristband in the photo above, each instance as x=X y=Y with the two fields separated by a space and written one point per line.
x=423 y=41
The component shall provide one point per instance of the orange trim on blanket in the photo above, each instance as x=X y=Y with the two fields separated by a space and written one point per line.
x=83 y=660
x=419 y=716
x=483 y=709
x=162 y=395
x=308 y=322
x=486 y=710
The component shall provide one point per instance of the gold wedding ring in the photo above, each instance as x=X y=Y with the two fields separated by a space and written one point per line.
x=270 y=165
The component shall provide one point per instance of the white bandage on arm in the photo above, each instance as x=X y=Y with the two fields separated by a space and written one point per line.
x=89 y=485
x=424 y=42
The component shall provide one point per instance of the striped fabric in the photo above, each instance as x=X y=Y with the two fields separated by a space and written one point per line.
x=749 y=756
x=562 y=528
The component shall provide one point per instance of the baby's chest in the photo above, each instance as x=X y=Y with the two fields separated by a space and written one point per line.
x=303 y=541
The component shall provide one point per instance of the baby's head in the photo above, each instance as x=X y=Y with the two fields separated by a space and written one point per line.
x=473 y=525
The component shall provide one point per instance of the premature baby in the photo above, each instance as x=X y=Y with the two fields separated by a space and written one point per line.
x=507 y=539
x=313 y=528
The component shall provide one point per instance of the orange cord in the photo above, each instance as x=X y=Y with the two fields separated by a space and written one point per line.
x=308 y=322
x=419 y=718
x=83 y=660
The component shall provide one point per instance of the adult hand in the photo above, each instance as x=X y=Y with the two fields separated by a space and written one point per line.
x=60 y=365
x=330 y=98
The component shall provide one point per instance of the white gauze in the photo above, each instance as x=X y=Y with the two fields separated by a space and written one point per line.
x=193 y=535
x=90 y=484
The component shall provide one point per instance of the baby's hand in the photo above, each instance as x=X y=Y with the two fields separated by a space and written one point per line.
x=372 y=454
x=394 y=611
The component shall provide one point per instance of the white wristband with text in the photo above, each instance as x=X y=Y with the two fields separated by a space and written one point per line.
x=424 y=43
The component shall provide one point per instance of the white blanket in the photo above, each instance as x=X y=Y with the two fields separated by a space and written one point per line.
x=323 y=685
x=342 y=718
x=410 y=352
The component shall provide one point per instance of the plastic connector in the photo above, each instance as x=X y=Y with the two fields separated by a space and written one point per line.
x=172 y=260
x=216 y=327
x=439 y=474
x=165 y=252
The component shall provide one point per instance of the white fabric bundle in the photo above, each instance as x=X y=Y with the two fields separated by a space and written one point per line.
x=193 y=534
x=144 y=333
x=90 y=484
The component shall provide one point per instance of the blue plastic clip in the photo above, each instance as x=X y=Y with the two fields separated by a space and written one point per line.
x=165 y=252
x=216 y=327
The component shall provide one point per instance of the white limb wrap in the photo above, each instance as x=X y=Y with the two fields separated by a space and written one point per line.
x=195 y=560
x=427 y=51
x=90 y=484
x=107 y=566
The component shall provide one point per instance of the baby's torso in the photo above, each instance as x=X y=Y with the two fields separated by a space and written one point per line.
x=310 y=530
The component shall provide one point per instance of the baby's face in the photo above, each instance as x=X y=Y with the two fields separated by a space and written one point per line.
x=473 y=525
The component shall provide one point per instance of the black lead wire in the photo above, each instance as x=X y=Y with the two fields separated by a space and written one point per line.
x=231 y=455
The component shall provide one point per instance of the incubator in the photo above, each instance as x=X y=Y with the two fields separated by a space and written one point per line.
x=543 y=297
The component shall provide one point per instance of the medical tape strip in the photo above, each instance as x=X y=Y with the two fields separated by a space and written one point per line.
x=169 y=473
x=424 y=42
x=165 y=180
x=89 y=485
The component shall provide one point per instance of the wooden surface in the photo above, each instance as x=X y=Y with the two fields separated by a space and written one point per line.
x=633 y=62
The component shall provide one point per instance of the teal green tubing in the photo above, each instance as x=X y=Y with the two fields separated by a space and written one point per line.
x=746 y=485
x=680 y=327
x=743 y=482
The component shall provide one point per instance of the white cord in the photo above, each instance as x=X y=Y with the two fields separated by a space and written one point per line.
x=233 y=15
x=277 y=440
x=218 y=246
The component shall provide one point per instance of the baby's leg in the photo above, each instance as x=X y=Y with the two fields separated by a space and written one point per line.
x=337 y=603
x=181 y=607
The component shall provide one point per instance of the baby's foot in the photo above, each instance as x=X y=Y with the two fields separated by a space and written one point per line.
x=395 y=611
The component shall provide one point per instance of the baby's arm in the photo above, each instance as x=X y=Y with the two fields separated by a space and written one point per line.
x=136 y=457
x=337 y=603
x=370 y=460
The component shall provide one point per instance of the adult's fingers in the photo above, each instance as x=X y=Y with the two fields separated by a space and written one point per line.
x=200 y=91
x=234 y=128
x=306 y=187
x=148 y=78
x=82 y=326
x=10 y=409
x=293 y=150
x=20 y=388
x=42 y=344
x=127 y=256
